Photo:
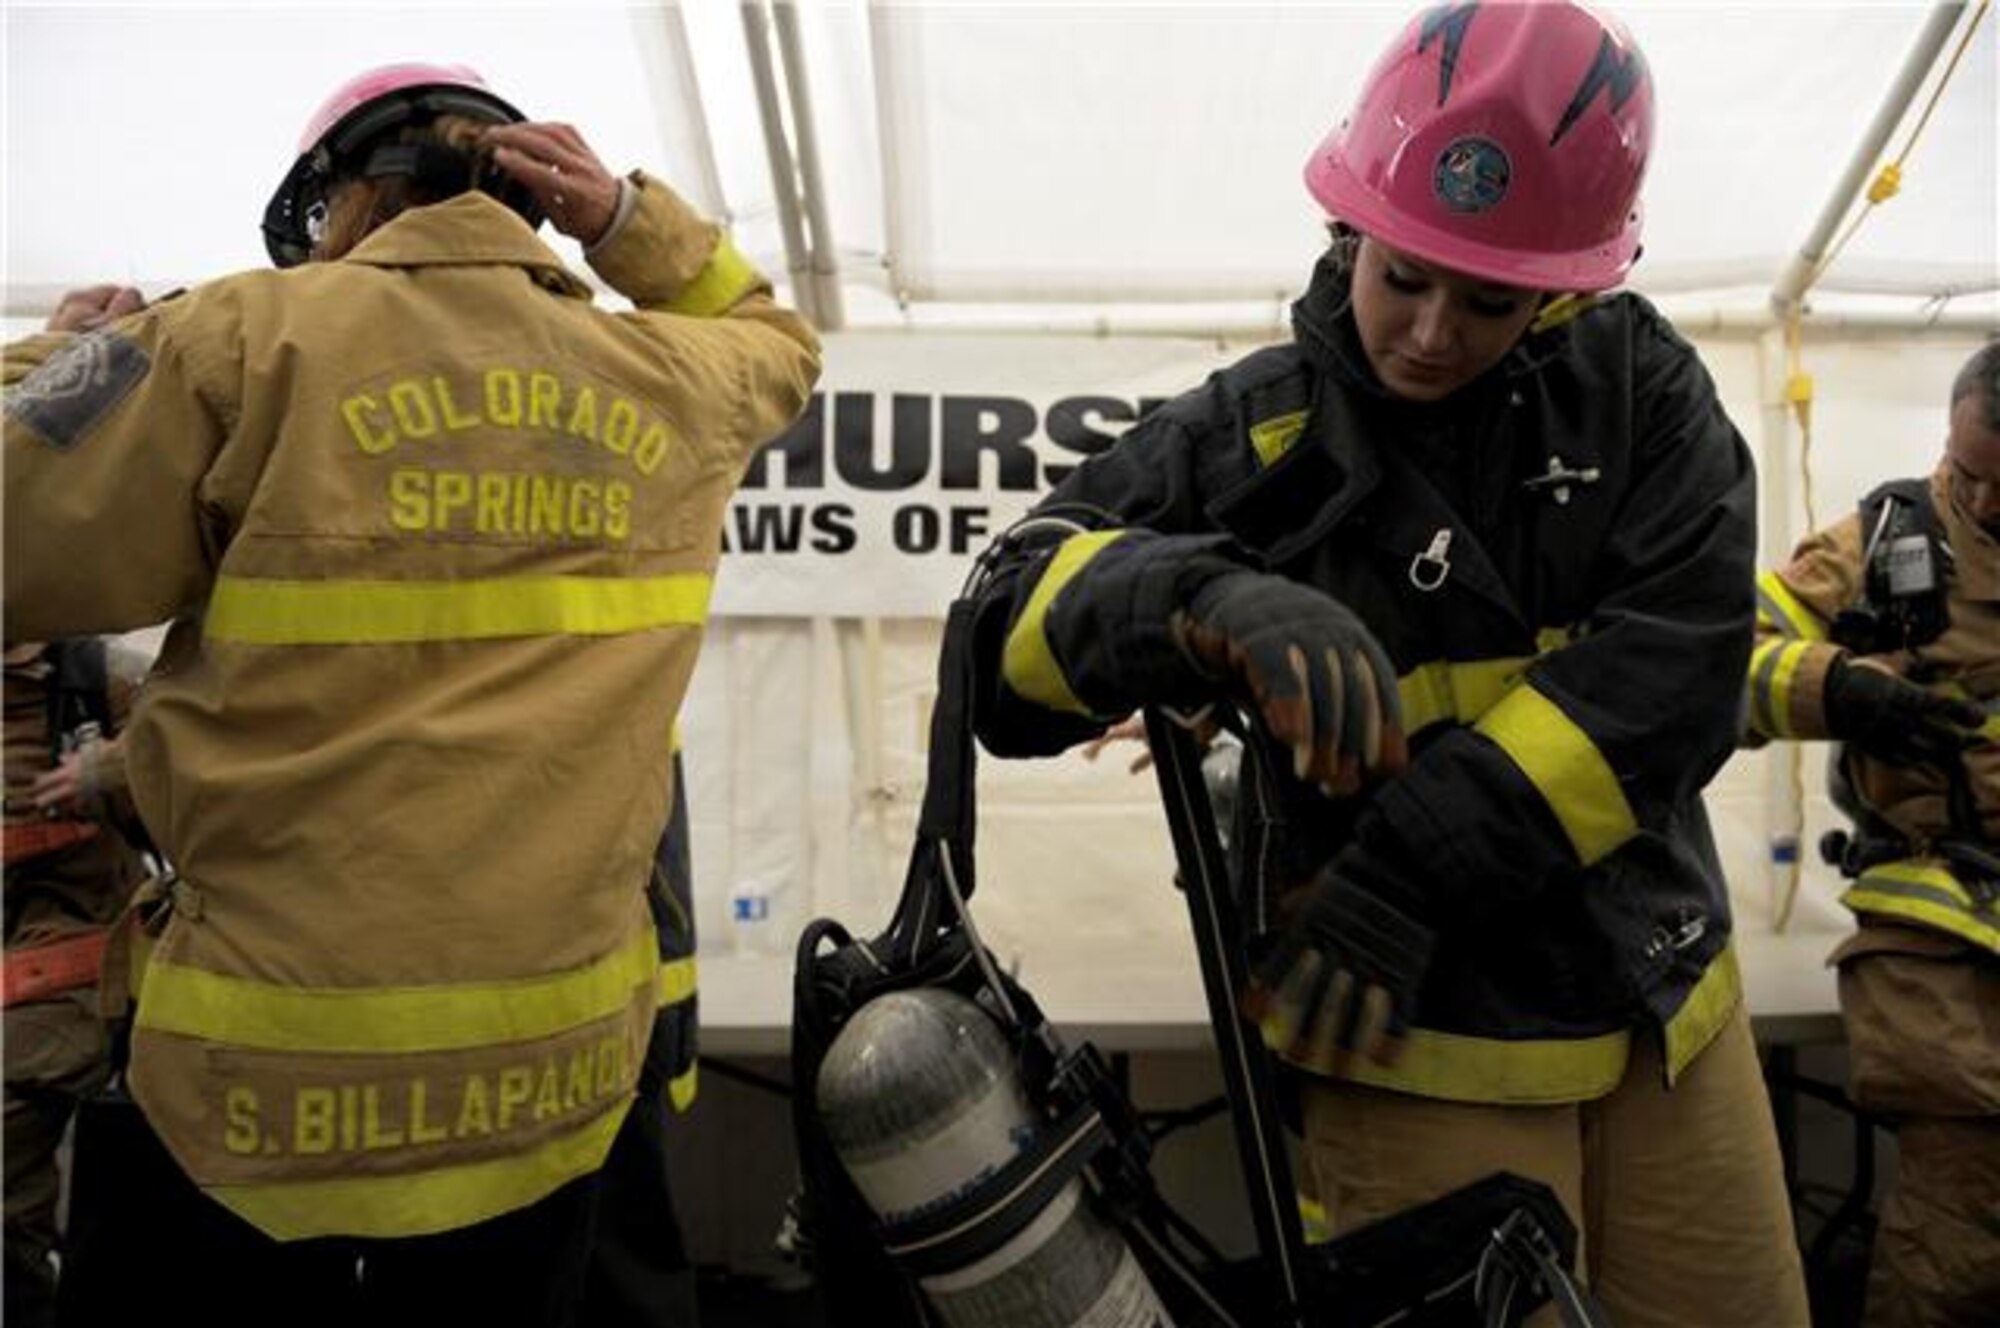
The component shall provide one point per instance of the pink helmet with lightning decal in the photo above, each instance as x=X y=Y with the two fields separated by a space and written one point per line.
x=1507 y=141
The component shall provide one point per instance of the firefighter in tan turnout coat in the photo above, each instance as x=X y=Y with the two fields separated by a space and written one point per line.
x=437 y=536
x=1884 y=632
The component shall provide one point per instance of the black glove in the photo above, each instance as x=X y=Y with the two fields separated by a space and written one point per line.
x=1316 y=680
x=1344 y=978
x=1893 y=718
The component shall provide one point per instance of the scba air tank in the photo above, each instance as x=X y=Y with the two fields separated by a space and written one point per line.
x=920 y=1099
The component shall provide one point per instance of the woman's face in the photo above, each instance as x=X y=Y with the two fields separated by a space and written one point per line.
x=1428 y=330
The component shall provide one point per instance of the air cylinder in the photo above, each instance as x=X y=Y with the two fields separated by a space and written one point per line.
x=921 y=1100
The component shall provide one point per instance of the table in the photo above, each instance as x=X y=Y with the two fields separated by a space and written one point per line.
x=1139 y=1001
x=1152 y=1001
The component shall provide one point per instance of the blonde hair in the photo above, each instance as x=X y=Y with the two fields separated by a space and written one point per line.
x=359 y=205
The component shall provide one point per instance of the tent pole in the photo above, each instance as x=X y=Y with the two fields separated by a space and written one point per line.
x=1798 y=273
x=882 y=59
x=778 y=149
x=820 y=249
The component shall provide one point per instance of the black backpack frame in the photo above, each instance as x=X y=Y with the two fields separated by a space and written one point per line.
x=1483 y=1255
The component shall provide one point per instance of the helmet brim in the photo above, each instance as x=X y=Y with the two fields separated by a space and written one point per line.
x=1597 y=268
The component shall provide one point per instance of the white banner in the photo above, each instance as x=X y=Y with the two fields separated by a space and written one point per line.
x=917 y=450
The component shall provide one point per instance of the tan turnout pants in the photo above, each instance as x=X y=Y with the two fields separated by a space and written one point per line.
x=1678 y=1194
x=1923 y=1031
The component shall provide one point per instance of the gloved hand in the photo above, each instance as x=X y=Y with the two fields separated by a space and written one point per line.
x=1893 y=718
x=1308 y=669
x=1344 y=978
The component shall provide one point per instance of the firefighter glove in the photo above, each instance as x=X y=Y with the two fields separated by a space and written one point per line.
x=1894 y=719
x=1310 y=673
x=1343 y=979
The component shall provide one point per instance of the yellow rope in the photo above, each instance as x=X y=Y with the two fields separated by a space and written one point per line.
x=1888 y=181
x=1798 y=395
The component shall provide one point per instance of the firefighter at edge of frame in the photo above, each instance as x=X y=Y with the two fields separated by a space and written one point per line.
x=394 y=496
x=1883 y=634
x=74 y=854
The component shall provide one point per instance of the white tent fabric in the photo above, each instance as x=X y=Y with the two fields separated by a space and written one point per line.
x=974 y=161
x=1158 y=152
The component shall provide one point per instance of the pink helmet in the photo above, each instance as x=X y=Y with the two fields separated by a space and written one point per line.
x=1507 y=141
x=355 y=118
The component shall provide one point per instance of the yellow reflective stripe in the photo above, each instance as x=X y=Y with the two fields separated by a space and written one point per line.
x=1318 y=1227
x=1274 y=437
x=1922 y=873
x=1922 y=892
x=1458 y=1068
x=1552 y=638
x=1989 y=727
x=1786 y=668
x=1773 y=665
x=726 y=278
x=425 y=1202
x=1442 y=691
x=1426 y=696
x=677 y=981
x=1707 y=1008
x=1562 y=762
x=293 y=613
x=1778 y=607
x=1027 y=664
x=267 y=1016
x=682 y=1087
x=1561 y=309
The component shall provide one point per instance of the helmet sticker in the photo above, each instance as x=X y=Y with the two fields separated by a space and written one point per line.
x=1471 y=175
x=1451 y=21
x=1620 y=71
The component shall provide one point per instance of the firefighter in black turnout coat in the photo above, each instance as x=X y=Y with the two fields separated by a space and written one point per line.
x=1475 y=558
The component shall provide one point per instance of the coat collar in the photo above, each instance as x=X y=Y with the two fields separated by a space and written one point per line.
x=1286 y=509
x=472 y=228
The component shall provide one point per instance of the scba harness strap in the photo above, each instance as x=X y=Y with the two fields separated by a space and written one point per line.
x=37 y=972
x=867 y=1269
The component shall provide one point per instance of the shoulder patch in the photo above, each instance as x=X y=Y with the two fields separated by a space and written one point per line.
x=64 y=397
